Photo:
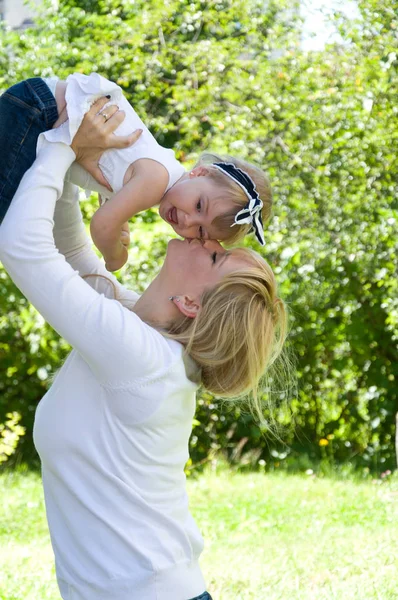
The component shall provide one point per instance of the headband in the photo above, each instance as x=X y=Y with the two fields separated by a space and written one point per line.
x=251 y=213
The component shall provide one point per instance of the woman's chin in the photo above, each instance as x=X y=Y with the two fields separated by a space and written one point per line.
x=176 y=242
x=175 y=248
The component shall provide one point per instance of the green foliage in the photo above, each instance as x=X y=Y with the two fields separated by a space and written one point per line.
x=229 y=75
x=10 y=433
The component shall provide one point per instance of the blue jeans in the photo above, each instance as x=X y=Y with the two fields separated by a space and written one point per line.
x=26 y=109
x=204 y=596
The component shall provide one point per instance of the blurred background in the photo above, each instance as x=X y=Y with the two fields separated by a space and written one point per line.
x=308 y=91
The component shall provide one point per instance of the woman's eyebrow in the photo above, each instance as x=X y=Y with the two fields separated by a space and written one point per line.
x=224 y=258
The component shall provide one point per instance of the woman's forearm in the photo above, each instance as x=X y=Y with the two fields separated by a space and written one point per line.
x=69 y=231
x=98 y=328
x=72 y=241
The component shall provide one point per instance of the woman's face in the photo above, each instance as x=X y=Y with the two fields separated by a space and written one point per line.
x=191 y=266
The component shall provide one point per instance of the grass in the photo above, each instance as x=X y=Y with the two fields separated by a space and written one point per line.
x=268 y=537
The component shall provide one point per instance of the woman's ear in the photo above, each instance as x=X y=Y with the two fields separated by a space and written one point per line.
x=186 y=305
x=200 y=171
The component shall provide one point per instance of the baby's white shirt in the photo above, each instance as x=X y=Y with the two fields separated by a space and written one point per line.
x=81 y=92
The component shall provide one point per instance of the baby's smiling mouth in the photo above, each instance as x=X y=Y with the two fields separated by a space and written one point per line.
x=172 y=216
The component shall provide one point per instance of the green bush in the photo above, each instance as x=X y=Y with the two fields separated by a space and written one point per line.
x=229 y=76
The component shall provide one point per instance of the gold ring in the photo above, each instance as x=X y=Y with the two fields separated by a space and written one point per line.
x=105 y=116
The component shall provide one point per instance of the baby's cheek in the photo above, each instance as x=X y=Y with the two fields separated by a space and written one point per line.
x=184 y=234
x=177 y=230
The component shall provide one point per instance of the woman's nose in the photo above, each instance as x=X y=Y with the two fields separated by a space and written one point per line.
x=213 y=246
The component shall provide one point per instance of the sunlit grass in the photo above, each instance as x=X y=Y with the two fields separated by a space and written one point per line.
x=271 y=537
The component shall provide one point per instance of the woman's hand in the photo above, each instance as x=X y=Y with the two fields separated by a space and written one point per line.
x=96 y=134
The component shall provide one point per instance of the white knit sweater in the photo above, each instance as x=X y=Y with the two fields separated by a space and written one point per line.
x=112 y=432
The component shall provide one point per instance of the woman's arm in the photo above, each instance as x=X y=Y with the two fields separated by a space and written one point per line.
x=144 y=190
x=115 y=343
x=73 y=242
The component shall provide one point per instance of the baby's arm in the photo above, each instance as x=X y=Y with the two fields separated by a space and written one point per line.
x=144 y=190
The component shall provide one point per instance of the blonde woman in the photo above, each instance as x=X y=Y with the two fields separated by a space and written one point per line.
x=112 y=432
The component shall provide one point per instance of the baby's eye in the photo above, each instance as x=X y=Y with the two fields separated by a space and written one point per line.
x=199 y=205
x=214 y=257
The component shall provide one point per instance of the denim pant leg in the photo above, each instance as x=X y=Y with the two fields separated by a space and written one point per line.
x=26 y=110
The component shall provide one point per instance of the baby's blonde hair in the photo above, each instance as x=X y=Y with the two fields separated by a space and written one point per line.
x=238 y=333
x=235 y=193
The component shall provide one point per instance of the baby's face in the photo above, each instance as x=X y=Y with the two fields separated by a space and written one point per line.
x=192 y=204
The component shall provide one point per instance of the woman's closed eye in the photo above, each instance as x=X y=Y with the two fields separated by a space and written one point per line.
x=214 y=257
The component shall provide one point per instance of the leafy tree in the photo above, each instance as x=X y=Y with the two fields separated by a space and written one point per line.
x=230 y=76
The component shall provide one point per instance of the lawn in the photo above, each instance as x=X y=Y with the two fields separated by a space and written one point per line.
x=268 y=537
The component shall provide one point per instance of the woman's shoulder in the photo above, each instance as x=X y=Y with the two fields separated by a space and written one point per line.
x=173 y=362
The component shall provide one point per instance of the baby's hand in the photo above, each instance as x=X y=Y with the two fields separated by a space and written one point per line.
x=116 y=259
x=114 y=262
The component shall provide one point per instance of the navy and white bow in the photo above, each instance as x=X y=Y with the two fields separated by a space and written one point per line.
x=251 y=213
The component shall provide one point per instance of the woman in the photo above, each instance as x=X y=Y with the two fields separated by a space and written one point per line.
x=112 y=432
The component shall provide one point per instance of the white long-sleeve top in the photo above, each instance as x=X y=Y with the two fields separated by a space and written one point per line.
x=112 y=432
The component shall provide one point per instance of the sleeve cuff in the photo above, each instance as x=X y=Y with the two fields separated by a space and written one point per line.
x=56 y=156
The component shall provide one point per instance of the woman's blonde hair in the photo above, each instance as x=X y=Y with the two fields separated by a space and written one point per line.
x=238 y=334
x=235 y=193
x=236 y=339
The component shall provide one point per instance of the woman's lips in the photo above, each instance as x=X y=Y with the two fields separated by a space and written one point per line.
x=172 y=216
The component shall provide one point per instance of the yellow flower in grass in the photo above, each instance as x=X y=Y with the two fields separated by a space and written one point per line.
x=323 y=442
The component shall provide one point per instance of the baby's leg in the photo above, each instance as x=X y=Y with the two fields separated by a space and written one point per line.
x=26 y=110
x=60 y=92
